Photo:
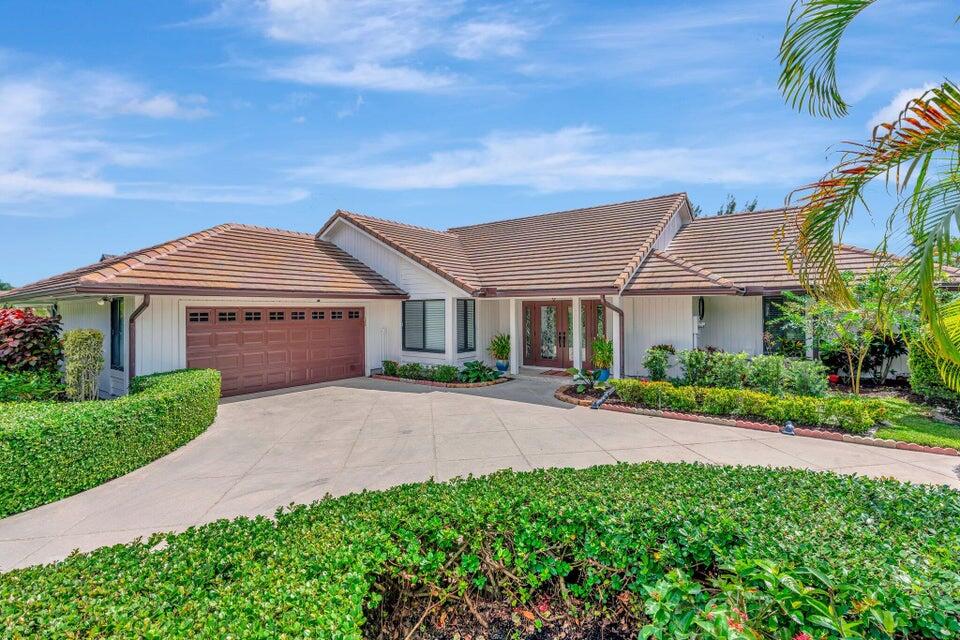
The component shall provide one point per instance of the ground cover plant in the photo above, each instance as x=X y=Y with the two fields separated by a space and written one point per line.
x=51 y=450
x=670 y=550
x=853 y=415
x=909 y=422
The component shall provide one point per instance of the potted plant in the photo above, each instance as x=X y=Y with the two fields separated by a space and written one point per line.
x=602 y=357
x=499 y=350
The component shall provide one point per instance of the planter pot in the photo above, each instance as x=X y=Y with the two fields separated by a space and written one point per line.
x=603 y=375
x=502 y=366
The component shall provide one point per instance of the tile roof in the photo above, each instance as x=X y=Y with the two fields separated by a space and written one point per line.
x=740 y=249
x=228 y=259
x=590 y=249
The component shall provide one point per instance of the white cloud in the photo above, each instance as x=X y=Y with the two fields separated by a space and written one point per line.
x=572 y=158
x=321 y=70
x=892 y=110
x=375 y=44
x=351 y=110
x=55 y=142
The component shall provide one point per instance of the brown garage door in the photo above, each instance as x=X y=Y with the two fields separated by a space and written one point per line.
x=258 y=348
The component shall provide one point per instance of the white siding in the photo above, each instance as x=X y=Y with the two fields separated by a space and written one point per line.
x=654 y=320
x=732 y=323
x=493 y=317
x=87 y=314
x=161 y=329
x=416 y=280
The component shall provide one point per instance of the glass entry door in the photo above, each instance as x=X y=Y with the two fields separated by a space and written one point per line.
x=547 y=339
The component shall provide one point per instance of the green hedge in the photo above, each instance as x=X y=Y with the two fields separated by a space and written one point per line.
x=677 y=546
x=25 y=386
x=848 y=414
x=51 y=450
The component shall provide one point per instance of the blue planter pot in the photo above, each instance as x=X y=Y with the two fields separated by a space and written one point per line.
x=604 y=375
x=502 y=366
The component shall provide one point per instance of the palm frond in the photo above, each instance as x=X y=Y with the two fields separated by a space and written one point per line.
x=808 y=54
x=928 y=125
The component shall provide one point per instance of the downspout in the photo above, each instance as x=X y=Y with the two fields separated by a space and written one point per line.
x=132 y=337
x=609 y=305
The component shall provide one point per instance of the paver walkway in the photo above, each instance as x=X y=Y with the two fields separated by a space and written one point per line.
x=273 y=449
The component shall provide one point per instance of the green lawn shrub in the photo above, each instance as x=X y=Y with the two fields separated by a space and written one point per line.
x=25 y=386
x=444 y=373
x=656 y=362
x=684 y=550
x=83 y=350
x=925 y=380
x=51 y=450
x=473 y=371
x=390 y=367
x=854 y=415
x=694 y=366
x=727 y=370
x=806 y=378
x=767 y=374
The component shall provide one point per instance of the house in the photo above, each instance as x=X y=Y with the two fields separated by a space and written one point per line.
x=272 y=308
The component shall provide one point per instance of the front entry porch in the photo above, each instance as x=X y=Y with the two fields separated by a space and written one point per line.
x=558 y=334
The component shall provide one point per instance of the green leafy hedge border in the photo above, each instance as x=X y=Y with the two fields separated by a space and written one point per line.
x=680 y=550
x=51 y=450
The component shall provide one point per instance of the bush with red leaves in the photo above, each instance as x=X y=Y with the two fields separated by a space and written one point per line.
x=29 y=342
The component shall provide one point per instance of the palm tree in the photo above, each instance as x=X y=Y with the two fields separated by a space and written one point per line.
x=918 y=153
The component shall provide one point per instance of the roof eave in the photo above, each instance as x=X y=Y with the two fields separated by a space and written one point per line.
x=135 y=289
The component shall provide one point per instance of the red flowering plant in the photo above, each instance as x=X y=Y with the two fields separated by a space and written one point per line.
x=29 y=342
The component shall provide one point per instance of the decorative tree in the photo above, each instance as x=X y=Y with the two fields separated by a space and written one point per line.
x=84 y=362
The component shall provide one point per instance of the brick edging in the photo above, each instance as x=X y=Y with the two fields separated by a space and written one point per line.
x=448 y=385
x=823 y=434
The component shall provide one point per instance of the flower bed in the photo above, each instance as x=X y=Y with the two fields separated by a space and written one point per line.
x=681 y=550
x=450 y=385
x=51 y=450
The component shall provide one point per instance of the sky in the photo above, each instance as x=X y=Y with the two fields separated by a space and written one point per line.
x=125 y=124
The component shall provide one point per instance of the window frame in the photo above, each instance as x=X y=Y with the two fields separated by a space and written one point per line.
x=116 y=334
x=423 y=323
x=468 y=339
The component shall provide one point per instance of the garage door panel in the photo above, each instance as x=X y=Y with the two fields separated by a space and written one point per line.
x=268 y=348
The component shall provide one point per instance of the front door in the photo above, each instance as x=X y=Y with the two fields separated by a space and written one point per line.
x=546 y=332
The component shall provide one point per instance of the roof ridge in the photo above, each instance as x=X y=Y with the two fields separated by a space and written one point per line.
x=552 y=213
x=694 y=268
x=152 y=253
x=636 y=260
x=396 y=222
x=359 y=220
x=743 y=213
x=257 y=227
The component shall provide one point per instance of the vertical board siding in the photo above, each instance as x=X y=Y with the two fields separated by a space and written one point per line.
x=87 y=314
x=732 y=323
x=493 y=317
x=654 y=320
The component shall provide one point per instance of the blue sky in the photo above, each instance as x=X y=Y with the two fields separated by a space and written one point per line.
x=126 y=124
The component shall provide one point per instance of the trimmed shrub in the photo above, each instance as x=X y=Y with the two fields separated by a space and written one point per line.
x=727 y=370
x=806 y=378
x=83 y=349
x=390 y=368
x=444 y=373
x=656 y=362
x=767 y=374
x=26 y=386
x=29 y=342
x=412 y=370
x=854 y=415
x=683 y=550
x=51 y=450
x=694 y=365
x=925 y=380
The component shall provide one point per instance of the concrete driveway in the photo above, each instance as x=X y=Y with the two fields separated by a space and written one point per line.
x=272 y=449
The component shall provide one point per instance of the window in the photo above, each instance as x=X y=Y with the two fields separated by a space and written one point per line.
x=276 y=315
x=195 y=316
x=336 y=315
x=251 y=316
x=466 y=325
x=226 y=316
x=317 y=315
x=116 y=334
x=778 y=339
x=353 y=314
x=298 y=315
x=423 y=326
